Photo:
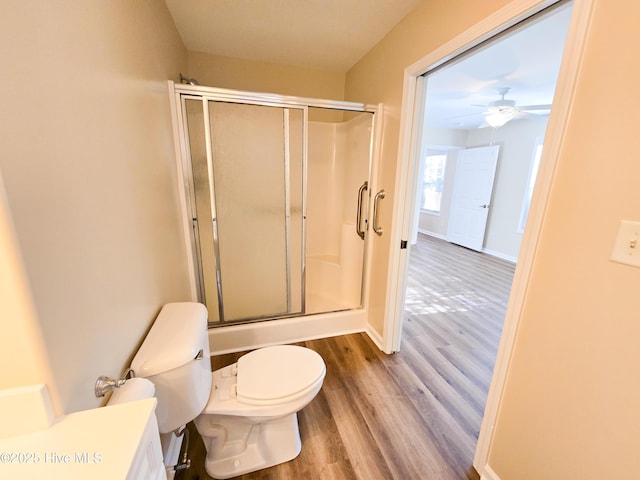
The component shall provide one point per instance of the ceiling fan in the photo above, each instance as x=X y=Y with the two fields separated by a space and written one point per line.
x=499 y=112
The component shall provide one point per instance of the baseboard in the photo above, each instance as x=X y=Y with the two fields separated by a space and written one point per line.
x=489 y=474
x=493 y=253
x=238 y=338
x=502 y=256
x=375 y=337
x=432 y=234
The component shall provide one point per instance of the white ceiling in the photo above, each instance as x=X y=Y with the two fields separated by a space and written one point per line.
x=335 y=34
x=322 y=34
x=526 y=61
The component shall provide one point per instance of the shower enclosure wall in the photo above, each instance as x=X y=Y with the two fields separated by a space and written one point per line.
x=277 y=198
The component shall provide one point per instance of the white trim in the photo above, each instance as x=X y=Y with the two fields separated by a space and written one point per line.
x=375 y=337
x=414 y=89
x=178 y=134
x=499 y=21
x=238 y=338
x=489 y=474
x=501 y=256
x=556 y=128
x=511 y=14
x=493 y=253
x=244 y=96
x=432 y=234
x=430 y=212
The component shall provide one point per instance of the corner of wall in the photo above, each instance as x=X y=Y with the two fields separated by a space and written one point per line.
x=489 y=474
x=22 y=337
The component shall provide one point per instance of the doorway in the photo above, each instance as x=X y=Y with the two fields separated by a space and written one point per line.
x=410 y=147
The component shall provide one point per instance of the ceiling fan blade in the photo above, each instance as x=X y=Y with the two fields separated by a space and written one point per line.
x=534 y=107
x=462 y=115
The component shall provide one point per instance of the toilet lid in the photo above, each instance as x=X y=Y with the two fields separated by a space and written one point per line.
x=273 y=374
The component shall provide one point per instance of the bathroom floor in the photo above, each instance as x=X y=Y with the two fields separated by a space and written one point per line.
x=414 y=414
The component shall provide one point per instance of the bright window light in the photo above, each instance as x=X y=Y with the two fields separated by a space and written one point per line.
x=432 y=182
x=533 y=173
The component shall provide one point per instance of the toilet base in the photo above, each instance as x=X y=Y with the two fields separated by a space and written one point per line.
x=238 y=445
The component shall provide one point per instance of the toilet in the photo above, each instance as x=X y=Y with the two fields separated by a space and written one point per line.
x=246 y=412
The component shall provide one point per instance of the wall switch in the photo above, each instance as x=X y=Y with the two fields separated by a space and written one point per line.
x=626 y=248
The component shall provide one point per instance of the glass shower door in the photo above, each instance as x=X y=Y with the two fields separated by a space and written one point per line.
x=278 y=196
x=247 y=167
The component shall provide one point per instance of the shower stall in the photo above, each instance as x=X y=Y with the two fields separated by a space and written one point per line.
x=276 y=197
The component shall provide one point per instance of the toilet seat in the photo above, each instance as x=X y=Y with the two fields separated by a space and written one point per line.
x=280 y=374
x=233 y=391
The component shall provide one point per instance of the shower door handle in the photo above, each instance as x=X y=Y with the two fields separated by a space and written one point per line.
x=362 y=189
x=376 y=201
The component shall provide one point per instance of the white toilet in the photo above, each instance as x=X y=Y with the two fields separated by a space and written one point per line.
x=245 y=412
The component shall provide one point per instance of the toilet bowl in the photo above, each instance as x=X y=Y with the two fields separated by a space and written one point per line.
x=246 y=413
x=250 y=421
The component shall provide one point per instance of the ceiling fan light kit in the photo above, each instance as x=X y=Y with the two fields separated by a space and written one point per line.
x=495 y=114
x=499 y=118
x=502 y=111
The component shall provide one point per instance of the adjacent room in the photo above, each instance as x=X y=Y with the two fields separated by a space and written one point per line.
x=469 y=223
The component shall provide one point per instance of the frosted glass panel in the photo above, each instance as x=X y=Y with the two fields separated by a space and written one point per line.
x=274 y=198
x=202 y=198
x=296 y=194
x=253 y=202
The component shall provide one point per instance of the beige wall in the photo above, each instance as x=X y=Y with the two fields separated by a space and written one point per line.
x=378 y=77
x=21 y=334
x=571 y=401
x=570 y=408
x=88 y=164
x=234 y=73
x=517 y=140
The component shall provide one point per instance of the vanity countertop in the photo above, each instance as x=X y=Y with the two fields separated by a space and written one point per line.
x=112 y=442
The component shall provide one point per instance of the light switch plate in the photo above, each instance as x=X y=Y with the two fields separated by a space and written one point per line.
x=626 y=248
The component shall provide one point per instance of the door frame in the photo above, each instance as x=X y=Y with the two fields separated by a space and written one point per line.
x=206 y=101
x=414 y=88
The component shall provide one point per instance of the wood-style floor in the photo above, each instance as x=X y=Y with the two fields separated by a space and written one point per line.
x=415 y=414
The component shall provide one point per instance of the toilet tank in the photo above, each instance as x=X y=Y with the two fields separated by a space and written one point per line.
x=134 y=389
x=175 y=357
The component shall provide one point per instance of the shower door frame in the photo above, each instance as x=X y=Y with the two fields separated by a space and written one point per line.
x=179 y=93
x=195 y=240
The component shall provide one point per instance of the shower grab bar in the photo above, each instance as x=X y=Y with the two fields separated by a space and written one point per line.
x=363 y=187
x=376 y=200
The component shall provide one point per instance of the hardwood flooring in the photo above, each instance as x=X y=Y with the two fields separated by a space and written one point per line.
x=415 y=414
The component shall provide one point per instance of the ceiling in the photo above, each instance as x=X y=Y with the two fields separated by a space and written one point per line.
x=526 y=61
x=335 y=34
x=322 y=34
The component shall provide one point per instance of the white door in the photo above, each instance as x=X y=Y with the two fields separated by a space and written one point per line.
x=475 y=171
